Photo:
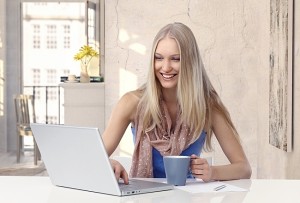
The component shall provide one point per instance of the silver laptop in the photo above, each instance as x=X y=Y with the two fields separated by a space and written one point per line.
x=75 y=157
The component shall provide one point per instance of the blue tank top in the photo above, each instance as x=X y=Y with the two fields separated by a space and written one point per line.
x=157 y=158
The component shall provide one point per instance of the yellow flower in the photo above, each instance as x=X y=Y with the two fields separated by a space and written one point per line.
x=85 y=54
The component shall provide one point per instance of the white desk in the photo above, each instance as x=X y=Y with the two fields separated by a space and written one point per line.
x=40 y=190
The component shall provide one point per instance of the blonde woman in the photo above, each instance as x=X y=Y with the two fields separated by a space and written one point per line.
x=174 y=113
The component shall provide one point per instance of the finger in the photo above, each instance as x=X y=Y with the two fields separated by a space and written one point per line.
x=203 y=174
x=197 y=172
x=196 y=166
x=117 y=173
x=193 y=156
x=124 y=176
x=198 y=161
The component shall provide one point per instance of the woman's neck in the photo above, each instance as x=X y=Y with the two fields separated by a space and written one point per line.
x=170 y=99
x=169 y=96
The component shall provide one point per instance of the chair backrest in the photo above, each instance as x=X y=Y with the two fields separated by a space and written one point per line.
x=25 y=110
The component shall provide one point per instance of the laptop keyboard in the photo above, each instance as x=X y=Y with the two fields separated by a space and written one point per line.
x=137 y=185
x=133 y=185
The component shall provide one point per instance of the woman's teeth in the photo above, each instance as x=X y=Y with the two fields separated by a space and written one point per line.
x=168 y=76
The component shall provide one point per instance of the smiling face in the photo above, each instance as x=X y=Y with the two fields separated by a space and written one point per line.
x=167 y=62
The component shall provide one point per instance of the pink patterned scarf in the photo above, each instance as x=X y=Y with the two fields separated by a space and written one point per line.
x=162 y=139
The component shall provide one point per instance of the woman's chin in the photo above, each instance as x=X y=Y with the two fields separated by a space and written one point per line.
x=168 y=85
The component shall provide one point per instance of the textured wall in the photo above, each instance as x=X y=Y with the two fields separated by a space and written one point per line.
x=232 y=42
x=13 y=64
x=2 y=80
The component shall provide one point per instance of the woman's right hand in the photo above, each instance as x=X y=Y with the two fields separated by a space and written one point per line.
x=119 y=171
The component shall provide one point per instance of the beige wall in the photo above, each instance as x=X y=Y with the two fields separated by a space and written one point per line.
x=233 y=37
x=2 y=75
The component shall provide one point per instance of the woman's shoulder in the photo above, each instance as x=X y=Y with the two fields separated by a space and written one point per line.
x=132 y=96
x=131 y=99
x=129 y=102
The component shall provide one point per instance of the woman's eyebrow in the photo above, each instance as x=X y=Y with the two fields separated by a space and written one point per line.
x=174 y=55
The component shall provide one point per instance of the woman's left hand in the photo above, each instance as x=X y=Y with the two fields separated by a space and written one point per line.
x=200 y=168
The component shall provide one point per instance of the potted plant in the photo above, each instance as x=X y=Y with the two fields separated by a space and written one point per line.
x=85 y=55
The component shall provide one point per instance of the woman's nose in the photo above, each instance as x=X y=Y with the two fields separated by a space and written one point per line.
x=166 y=66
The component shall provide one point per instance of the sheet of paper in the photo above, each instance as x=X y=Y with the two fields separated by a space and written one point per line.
x=196 y=186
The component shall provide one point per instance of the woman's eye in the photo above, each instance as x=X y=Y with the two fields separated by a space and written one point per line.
x=158 y=58
x=176 y=59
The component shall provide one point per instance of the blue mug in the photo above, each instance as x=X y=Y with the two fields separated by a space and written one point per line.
x=177 y=169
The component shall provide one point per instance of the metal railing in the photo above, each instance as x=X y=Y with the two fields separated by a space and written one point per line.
x=48 y=103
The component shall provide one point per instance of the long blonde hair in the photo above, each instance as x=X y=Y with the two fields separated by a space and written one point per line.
x=196 y=96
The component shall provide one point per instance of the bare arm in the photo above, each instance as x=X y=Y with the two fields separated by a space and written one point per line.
x=239 y=166
x=122 y=115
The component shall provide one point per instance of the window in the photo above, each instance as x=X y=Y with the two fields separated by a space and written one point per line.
x=36 y=37
x=52 y=32
x=52 y=120
x=51 y=76
x=36 y=76
x=91 y=24
x=66 y=72
x=51 y=40
x=40 y=4
x=52 y=94
x=67 y=36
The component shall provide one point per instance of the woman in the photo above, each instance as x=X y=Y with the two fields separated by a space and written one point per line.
x=174 y=113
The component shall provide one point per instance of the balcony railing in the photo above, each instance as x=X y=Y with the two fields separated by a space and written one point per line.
x=48 y=103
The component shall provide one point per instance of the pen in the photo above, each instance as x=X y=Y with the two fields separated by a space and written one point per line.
x=219 y=187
